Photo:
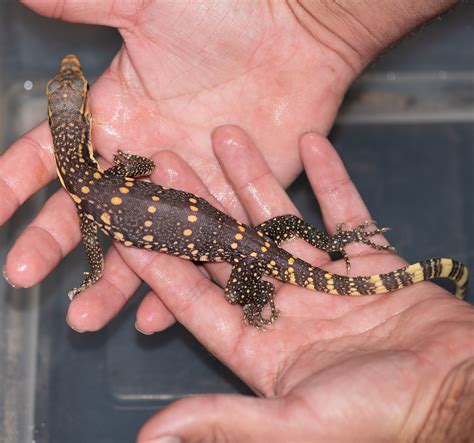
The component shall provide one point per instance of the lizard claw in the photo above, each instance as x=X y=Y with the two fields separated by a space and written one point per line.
x=356 y=235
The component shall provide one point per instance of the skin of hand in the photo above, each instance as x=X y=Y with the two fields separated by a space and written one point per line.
x=277 y=69
x=396 y=367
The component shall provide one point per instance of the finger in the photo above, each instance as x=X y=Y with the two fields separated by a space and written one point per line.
x=338 y=198
x=25 y=168
x=230 y=417
x=255 y=185
x=44 y=243
x=108 y=13
x=152 y=315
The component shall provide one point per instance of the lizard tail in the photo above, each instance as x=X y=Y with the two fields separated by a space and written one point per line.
x=320 y=280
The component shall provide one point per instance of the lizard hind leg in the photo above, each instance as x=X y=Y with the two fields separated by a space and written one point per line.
x=285 y=227
x=246 y=288
x=130 y=165
x=342 y=237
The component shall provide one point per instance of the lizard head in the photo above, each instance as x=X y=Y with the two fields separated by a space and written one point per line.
x=68 y=89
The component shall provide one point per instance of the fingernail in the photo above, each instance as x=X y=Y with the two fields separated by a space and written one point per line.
x=142 y=332
x=166 y=439
x=309 y=133
x=6 y=278
x=73 y=328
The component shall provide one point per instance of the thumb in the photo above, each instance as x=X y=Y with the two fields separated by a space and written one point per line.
x=106 y=12
x=216 y=418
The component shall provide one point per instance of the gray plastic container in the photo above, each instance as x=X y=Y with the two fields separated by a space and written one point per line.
x=406 y=134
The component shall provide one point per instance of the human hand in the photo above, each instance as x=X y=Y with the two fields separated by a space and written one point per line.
x=396 y=367
x=272 y=68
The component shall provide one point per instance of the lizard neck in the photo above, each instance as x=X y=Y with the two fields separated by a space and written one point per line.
x=72 y=149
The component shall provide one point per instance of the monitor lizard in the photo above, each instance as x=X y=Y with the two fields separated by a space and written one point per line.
x=151 y=217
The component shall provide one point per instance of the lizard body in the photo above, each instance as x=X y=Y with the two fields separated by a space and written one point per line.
x=148 y=216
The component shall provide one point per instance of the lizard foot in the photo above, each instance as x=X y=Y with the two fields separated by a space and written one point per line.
x=88 y=282
x=358 y=234
x=130 y=165
x=253 y=315
x=247 y=289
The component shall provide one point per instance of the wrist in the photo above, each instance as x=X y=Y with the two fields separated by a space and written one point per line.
x=358 y=30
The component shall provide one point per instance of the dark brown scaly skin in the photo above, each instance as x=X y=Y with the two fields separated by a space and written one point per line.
x=149 y=216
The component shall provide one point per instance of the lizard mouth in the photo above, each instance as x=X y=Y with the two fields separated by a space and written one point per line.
x=70 y=63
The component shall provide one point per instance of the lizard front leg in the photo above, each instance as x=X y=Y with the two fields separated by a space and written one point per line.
x=130 y=165
x=285 y=227
x=246 y=288
x=94 y=255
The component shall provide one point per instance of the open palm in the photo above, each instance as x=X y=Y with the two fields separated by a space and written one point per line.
x=376 y=368
x=185 y=69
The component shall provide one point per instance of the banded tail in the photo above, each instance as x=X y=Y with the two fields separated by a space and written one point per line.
x=320 y=280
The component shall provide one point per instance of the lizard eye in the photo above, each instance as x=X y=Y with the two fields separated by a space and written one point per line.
x=78 y=84
x=52 y=86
